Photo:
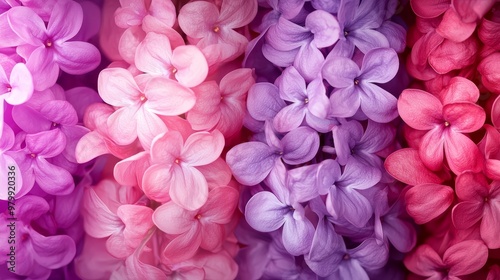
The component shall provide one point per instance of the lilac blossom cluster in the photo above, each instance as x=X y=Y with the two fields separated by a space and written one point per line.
x=322 y=116
x=40 y=125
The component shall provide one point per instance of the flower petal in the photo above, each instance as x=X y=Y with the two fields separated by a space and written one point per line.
x=300 y=145
x=59 y=28
x=251 y=162
x=464 y=117
x=77 y=57
x=202 y=148
x=465 y=257
x=427 y=201
x=188 y=187
x=173 y=219
x=167 y=97
x=265 y=213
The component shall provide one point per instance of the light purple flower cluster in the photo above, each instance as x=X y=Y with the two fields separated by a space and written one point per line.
x=40 y=126
x=322 y=112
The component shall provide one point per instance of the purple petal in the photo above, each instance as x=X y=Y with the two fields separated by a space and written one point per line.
x=326 y=252
x=351 y=269
x=277 y=57
x=370 y=254
x=309 y=61
x=358 y=176
x=297 y=235
x=264 y=102
x=251 y=162
x=29 y=120
x=59 y=27
x=376 y=137
x=53 y=179
x=400 y=233
x=325 y=28
x=345 y=101
x=328 y=173
x=378 y=104
x=289 y=118
x=53 y=251
x=43 y=68
x=300 y=145
x=31 y=208
x=265 y=213
x=46 y=144
x=27 y=25
x=287 y=36
x=379 y=65
x=59 y=112
x=368 y=39
x=395 y=34
x=340 y=72
x=292 y=86
x=318 y=103
x=77 y=57
x=21 y=83
x=302 y=182
x=354 y=207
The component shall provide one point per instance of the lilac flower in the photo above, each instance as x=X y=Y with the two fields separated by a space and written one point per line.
x=310 y=103
x=358 y=21
x=269 y=211
x=352 y=142
x=39 y=254
x=341 y=188
x=251 y=162
x=289 y=43
x=264 y=101
x=32 y=161
x=16 y=86
x=355 y=88
x=47 y=49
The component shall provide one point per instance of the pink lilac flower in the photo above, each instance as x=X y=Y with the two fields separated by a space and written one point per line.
x=174 y=174
x=446 y=118
x=140 y=102
x=479 y=203
x=202 y=228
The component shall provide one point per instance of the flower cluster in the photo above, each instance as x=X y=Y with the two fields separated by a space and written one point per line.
x=318 y=202
x=40 y=125
x=167 y=208
x=452 y=164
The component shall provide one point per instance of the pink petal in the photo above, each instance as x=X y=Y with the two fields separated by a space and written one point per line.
x=206 y=112
x=99 y=221
x=27 y=25
x=464 y=117
x=154 y=54
x=459 y=89
x=432 y=148
x=429 y=8
x=43 y=68
x=59 y=28
x=466 y=214
x=202 y=148
x=173 y=219
x=212 y=236
x=471 y=186
x=490 y=225
x=164 y=11
x=77 y=57
x=220 y=205
x=196 y=19
x=21 y=83
x=427 y=201
x=462 y=154
x=156 y=182
x=191 y=65
x=117 y=87
x=465 y=257
x=129 y=41
x=424 y=261
x=168 y=97
x=216 y=173
x=237 y=13
x=167 y=148
x=130 y=171
x=453 y=28
x=188 y=187
x=183 y=246
x=452 y=56
x=149 y=126
x=123 y=125
x=419 y=109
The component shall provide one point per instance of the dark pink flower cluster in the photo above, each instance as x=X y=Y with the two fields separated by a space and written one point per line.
x=40 y=124
x=166 y=208
x=452 y=130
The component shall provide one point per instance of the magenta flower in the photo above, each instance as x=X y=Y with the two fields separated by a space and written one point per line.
x=139 y=107
x=47 y=49
x=460 y=259
x=39 y=253
x=479 y=202
x=16 y=87
x=357 y=88
x=7 y=141
x=32 y=161
x=174 y=174
x=196 y=228
x=445 y=120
